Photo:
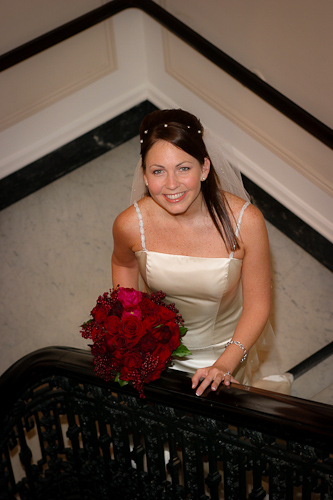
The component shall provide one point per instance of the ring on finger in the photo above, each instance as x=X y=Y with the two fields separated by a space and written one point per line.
x=227 y=373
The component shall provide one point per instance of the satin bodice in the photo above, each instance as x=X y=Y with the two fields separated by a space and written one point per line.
x=206 y=291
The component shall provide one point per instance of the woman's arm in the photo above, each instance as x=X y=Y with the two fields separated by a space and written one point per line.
x=124 y=264
x=256 y=283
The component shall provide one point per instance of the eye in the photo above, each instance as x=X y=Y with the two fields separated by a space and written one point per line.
x=157 y=172
x=184 y=169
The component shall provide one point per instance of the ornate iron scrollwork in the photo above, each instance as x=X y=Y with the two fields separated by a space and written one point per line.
x=68 y=439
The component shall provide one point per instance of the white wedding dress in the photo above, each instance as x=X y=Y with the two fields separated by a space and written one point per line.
x=208 y=294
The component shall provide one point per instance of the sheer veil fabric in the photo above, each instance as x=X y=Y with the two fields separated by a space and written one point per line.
x=261 y=368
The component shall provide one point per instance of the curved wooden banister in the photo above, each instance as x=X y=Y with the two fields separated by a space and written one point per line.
x=280 y=102
x=78 y=437
x=277 y=413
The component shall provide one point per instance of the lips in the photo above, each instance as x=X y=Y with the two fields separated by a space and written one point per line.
x=175 y=197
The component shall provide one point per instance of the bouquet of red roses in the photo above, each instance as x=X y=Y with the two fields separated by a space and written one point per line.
x=134 y=336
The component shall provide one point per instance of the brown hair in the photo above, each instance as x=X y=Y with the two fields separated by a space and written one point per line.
x=185 y=131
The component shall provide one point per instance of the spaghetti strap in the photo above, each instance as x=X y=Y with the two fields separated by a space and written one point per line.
x=142 y=231
x=238 y=225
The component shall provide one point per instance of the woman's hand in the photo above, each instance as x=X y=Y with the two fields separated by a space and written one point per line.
x=213 y=376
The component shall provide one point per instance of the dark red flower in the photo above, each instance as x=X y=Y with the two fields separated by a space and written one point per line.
x=148 y=343
x=112 y=324
x=99 y=313
x=131 y=362
x=147 y=306
x=117 y=309
x=151 y=321
x=163 y=334
x=165 y=314
x=133 y=330
x=116 y=342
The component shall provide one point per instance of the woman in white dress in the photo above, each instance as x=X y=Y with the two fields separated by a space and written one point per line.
x=203 y=246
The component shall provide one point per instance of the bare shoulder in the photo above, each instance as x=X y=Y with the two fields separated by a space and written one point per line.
x=253 y=227
x=251 y=214
x=126 y=226
x=125 y=218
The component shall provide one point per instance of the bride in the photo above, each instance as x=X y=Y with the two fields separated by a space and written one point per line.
x=191 y=236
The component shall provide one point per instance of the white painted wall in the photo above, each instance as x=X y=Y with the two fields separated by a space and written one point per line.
x=277 y=155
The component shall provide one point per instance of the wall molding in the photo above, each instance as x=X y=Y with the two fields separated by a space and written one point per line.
x=71 y=131
x=244 y=109
x=91 y=54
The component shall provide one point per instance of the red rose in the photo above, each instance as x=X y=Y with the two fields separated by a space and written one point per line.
x=149 y=322
x=147 y=306
x=133 y=330
x=163 y=334
x=165 y=314
x=174 y=341
x=131 y=361
x=168 y=334
x=116 y=343
x=112 y=324
x=99 y=313
x=163 y=351
x=147 y=343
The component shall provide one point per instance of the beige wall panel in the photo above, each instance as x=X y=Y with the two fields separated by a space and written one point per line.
x=56 y=73
x=24 y=20
x=295 y=146
x=288 y=41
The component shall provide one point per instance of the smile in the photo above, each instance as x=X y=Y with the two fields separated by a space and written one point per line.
x=175 y=197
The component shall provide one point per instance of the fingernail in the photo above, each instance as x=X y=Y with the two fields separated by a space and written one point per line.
x=197 y=394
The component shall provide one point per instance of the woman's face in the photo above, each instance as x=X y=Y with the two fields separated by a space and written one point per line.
x=174 y=177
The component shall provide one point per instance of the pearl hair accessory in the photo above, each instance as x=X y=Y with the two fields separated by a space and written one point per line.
x=165 y=126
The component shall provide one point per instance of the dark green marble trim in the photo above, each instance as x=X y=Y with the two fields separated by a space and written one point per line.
x=73 y=155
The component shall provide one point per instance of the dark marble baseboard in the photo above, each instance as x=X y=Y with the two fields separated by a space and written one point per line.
x=119 y=130
x=292 y=226
x=73 y=155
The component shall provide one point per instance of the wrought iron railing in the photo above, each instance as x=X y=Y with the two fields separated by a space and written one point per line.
x=66 y=434
x=247 y=78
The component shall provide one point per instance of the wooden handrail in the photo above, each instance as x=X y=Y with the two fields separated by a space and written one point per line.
x=276 y=413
